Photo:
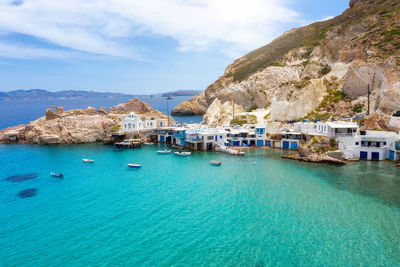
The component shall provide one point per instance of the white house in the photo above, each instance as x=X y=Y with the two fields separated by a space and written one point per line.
x=372 y=145
x=337 y=129
x=131 y=123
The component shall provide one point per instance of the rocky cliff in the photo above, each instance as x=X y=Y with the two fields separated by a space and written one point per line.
x=320 y=70
x=81 y=125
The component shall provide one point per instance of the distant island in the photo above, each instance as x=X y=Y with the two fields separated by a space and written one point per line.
x=181 y=93
x=66 y=94
x=32 y=94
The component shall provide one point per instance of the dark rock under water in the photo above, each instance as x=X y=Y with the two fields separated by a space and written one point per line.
x=30 y=192
x=21 y=178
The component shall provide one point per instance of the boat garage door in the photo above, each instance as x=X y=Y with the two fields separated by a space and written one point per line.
x=391 y=155
x=268 y=143
x=375 y=155
x=260 y=142
x=161 y=138
x=285 y=145
x=294 y=146
x=363 y=155
x=236 y=143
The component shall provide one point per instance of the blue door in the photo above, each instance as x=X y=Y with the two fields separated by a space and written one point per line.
x=375 y=155
x=285 y=145
x=260 y=142
x=236 y=143
x=162 y=138
x=294 y=146
x=209 y=146
x=363 y=155
x=391 y=155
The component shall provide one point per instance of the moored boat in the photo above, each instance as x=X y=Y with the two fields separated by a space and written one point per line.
x=56 y=174
x=88 y=160
x=164 y=151
x=148 y=143
x=216 y=163
x=134 y=165
x=182 y=153
x=129 y=143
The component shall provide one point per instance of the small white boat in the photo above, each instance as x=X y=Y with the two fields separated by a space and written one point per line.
x=216 y=163
x=148 y=143
x=88 y=160
x=134 y=165
x=57 y=174
x=182 y=153
x=164 y=151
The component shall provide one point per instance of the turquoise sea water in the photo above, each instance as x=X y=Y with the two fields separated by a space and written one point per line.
x=257 y=210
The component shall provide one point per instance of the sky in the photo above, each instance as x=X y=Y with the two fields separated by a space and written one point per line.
x=136 y=46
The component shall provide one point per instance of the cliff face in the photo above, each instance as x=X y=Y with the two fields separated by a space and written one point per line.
x=319 y=70
x=83 y=125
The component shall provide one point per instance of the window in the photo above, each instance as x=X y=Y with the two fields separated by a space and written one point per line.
x=357 y=143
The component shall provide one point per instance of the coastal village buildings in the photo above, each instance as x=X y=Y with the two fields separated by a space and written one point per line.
x=355 y=144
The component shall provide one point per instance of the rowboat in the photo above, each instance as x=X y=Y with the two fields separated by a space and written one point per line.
x=88 y=160
x=134 y=165
x=56 y=174
x=148 y=143
x=216 y=163
x=182 y=153
x=164 y=151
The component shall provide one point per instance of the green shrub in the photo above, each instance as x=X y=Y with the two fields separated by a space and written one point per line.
x=357 y=108
x=252 y=108
x=325 y=70
x=332 y=143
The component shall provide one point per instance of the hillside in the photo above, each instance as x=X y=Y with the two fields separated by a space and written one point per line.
x=318 y=71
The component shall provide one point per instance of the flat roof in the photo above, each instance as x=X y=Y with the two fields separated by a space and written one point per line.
x=342 y=124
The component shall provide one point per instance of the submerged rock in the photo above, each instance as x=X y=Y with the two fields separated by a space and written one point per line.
x=22 y=177
x=30 y=192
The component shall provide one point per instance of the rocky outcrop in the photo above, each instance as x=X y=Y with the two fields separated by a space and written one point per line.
x=380 y=121
x=197 y=105
x=82 y=125
x=221 y=114
x=315 y=158
x=319 y=68
x=132 y=105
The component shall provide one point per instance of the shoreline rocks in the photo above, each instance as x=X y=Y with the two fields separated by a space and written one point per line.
x=315 y=158
x=77 y=126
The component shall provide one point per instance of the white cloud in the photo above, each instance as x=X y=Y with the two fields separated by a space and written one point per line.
x=107 y=27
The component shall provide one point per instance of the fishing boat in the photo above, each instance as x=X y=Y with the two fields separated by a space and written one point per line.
x=164 y=151
x=182 y=153
x=88 y=160
x=129 y=143
x=148 y=143
x=134 y=165
x=56 y=174
x=216 y=163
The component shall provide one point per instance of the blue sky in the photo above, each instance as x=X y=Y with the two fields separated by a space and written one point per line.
x=139 y=47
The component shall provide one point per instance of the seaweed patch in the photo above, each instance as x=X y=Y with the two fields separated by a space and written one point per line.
x=21 y=178
x=30 y=192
